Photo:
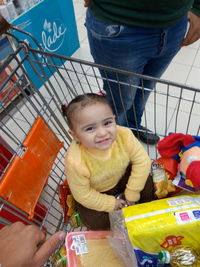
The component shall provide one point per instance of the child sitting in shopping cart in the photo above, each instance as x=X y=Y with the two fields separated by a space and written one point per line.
x=104 y=160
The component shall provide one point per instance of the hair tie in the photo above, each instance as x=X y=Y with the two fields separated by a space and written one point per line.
x=65 y=105
x=63 y=108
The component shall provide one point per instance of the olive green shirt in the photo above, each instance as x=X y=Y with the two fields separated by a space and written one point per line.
x=144 y=13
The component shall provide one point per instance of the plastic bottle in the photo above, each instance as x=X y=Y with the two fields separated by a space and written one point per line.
x=59 y=258
x=180 y=256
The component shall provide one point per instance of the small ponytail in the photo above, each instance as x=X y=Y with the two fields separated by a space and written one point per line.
x=64 y=109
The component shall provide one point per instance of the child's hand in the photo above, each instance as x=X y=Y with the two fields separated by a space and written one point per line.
x=130 y=203
x=119 y=203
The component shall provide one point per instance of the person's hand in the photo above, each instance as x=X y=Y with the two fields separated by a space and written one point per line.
x=119 y=204
x=193 y=33
x=130 y=203
x=24 y=246
x=86 y=3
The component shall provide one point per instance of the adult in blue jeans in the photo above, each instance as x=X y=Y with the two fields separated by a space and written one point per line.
x=140 y=36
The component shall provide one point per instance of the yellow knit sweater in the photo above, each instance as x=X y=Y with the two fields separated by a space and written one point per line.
x=90 y=172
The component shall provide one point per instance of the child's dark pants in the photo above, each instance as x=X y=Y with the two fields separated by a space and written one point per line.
x=99 y=220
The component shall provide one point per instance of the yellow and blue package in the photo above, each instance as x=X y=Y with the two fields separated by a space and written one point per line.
x=161 y=225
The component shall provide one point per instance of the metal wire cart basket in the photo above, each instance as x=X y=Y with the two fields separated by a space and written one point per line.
x=33 y=133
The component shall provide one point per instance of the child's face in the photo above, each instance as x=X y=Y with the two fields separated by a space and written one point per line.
x=94 y=126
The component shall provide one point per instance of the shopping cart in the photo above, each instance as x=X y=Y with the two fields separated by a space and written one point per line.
x=30 y=114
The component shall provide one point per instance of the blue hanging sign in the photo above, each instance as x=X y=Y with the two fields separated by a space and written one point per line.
x=52 y=23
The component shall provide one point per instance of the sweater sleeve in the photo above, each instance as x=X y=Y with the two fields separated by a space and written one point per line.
x=196 y=8
x=79 y=183
x=141 y=165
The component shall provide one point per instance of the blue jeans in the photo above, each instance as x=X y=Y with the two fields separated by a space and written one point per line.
x=141 y=50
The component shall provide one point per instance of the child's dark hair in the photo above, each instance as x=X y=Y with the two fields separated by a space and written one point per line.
x=80 y=102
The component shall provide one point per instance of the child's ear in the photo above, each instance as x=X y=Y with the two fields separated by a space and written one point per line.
x=72 y=133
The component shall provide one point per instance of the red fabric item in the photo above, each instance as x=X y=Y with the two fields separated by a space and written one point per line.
x=171 y=144
x=193 y=173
